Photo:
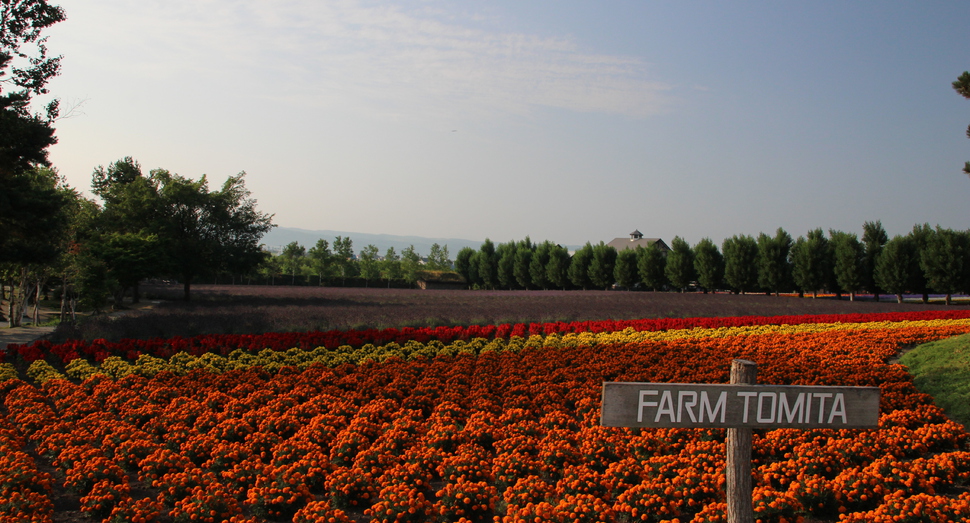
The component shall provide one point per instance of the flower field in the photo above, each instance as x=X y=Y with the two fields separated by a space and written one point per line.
x=479 y=423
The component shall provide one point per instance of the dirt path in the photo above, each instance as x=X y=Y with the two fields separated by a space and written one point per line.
x=28 y=333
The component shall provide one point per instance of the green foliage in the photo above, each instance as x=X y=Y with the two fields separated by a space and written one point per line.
x=652 y=264
x=774 y=269
x=321 y=260
x=601 y=266
x=811 y=261
x=946 y=261
x=467 y=265
x=873 y=239
x=898 y=266
x=708 y=264
x=849 y=261
x=537 y=265
x=579 y=267
x=557 y=269
x=741 y=262
x=438 y=258
x=506 y=265
x=293 y=259
x=487 y=265
x=962 y=87
x=368 y=263
x=625 y=270
x=391 y=266
x=410 y=263
x=680 y=264
x=523 y=262
x=942 y=370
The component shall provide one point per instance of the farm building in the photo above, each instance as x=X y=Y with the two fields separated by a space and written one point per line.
x=635 y=240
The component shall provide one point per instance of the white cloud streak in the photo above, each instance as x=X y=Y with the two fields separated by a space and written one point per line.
x=385 y=59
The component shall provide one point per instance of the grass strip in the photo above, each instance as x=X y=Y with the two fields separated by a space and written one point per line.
x=942 y=369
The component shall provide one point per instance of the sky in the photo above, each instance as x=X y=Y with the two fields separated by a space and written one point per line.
x=562 y=120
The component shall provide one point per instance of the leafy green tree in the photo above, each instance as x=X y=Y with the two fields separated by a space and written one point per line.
x=557 y=269
x=293 y=259
x=207 y=230
x=848 y=261
x=774 y=269
x=271 y=268
x=740 y=262
x=811 y=261
x=464 y=265
x=391 y=266
x=25 y=70
x=321 y=259
x=625 y=270
x=131 y=216
x=873 y=238
x=537 y=265
x=946 y=261
x=601 y=266
x=579 y=267
x=487 y=265
x=708 y=264
x=438 y=259
x=523 y=261
x=962 y=87
x=343 y=256
x=897 y=266
x=680 y=264
x=921 y=235
x=370 y=268
x=410 y=264
x=506 y=264
x=652 y=264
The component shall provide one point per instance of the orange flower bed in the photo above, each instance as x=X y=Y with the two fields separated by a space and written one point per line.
x=503 y=436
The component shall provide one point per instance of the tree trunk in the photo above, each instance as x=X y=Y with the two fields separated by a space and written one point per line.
x=186 y=289
x=135 y=293
x=899 y=297
x=948 y=295
x=852 y=296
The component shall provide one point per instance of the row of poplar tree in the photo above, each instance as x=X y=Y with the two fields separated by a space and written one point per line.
x=924 y=260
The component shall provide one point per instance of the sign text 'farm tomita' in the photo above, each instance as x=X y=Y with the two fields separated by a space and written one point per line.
x=671 y=405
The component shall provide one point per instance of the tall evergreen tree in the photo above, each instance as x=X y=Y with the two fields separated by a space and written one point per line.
x=897 y=266
x=708 y=265
x=557 y=269
x=625 y=270
x=680 y=264
x=848 y=262
x=811 y=262
x=873 y=238
x=579 y=267
x=946 y=261
x=741 y=262
x=537 y=266
x=487 y=265
x=601 y=266
x=651 y=264
x=464 y=265
x=921 y=235
x=774 y=269
x=523 y=263
x=506 y=264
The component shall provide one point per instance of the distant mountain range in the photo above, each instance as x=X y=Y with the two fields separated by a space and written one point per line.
x=278 y=237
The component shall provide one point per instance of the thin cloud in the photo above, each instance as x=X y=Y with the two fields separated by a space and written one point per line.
x=378 y=57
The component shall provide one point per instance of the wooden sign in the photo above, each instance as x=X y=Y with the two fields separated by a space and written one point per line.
x=671 y=405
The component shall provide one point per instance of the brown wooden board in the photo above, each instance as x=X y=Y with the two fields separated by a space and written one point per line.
x=668 y=405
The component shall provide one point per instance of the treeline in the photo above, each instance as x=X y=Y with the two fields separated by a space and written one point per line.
x=92 y=252
x=336 y=264
x=927 y=259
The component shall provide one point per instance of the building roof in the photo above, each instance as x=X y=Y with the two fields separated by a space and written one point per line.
x=632 y=243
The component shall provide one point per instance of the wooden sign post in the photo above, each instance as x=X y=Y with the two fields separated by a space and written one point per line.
x=739 y=407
